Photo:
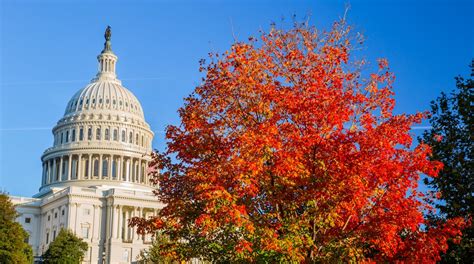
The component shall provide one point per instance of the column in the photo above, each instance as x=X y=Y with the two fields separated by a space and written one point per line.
x=54 y=171
x=69 y=172
x=60 y=169
x=95 y=224
x=71 y=216
x=127 y=170
x=43 y=175
x=133 y=214
x=116 y=210
x=119 y=225
x=119 y=168
x=139 y=210
x=107 y=224
x=90 y=166
x=78 y=166
x=111 y=161
x=100 y=166
x=140 y=172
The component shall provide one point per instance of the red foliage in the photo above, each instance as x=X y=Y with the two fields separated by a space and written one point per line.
x=287 y=152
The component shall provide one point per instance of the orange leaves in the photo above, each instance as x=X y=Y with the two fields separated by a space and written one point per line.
x=287 y=153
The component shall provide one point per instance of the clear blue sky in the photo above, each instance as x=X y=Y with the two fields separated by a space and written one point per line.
x=49 y=48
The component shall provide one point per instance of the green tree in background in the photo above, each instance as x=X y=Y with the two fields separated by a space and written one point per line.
x=13 y=245
x=67 y=248
x=451 y=138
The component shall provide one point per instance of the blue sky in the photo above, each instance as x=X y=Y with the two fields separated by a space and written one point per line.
x=48 y=52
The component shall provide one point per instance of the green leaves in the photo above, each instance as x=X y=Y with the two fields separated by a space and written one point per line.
x=13 y=248
x=67 y=248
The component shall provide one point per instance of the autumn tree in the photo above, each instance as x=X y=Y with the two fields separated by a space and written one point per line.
x=66 y=248
x=451 y=138
x=13 y=245
x=289 y=152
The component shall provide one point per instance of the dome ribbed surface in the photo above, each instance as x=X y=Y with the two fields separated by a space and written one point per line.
x=107 y=96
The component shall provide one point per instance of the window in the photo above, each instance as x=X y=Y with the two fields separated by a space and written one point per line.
x=100 y=100
x=136 y=139
x=123 y=135
x=87 y=169
x=67 y=136
x=107 y=101
x=97 y=134
x=130 y=138
x=107 y=135
x=56 y=215
x=87 y=211
x=62 y=138
x=96 y=168
x=85 y=232
x=143 y=141
x=115 y=134
x=89 y=133
x=62 y=212
x=49 y=217
x=73 y=135
x=81 y=134
x=47 y=238
x=27 y=220
x=54 y=234
x=93 y=100
x=105 y=167
x=114 y=169
x=64 y=167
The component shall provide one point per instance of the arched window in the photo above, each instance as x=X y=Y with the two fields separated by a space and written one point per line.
x=73 y=135
x=136 y=139
x=67 y=136
x=97 y=134
x=81 y=133
x=107 y=136
x=105 y=168
x=62 y=136
x=96 y=168
x=143 y=141
x=89 y=133
x=123 y=136
x=130 y=138
x=115 y=135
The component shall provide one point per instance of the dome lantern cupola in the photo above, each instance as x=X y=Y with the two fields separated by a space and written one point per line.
x=107 y=60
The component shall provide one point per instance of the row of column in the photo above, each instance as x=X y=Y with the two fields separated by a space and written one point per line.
x=107 y=65
x=120 y=215
x=91 y=166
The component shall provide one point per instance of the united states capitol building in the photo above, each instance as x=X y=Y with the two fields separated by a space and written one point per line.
x=94 y=177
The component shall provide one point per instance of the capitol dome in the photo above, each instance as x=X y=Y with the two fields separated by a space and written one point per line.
x=103 y=138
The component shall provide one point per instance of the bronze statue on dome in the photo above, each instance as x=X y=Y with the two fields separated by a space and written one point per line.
x=107 y=36
x=108 y=33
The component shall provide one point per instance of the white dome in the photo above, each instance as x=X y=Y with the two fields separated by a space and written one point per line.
x=105 y=97
x=102 y=139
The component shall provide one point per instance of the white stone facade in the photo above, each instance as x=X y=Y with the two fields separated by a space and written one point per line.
x=94 y=177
